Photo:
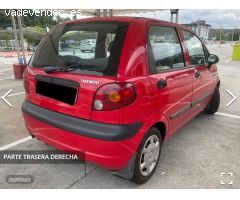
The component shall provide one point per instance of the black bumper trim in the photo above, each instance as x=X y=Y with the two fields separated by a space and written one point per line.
x=109 y=132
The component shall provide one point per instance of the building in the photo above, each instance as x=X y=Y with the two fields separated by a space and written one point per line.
x=200 y=27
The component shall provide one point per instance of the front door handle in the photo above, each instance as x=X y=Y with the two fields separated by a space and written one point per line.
x=162 y=83
x=197 y=74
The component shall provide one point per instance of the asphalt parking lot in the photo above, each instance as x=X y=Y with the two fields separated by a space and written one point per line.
x=204 y=154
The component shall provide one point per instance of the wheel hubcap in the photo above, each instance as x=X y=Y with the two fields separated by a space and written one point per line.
x=149 y=155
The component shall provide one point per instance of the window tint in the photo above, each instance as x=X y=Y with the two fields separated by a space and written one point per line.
x=195 y=48
x=165 y=51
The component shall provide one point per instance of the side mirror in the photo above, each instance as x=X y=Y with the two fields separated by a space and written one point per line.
x=212 y=59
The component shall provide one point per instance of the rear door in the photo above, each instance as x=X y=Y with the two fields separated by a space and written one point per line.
x=170 y=78
x=202 y=79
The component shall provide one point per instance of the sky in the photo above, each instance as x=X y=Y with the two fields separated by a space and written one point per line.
x=216 y=18
x=227 y=19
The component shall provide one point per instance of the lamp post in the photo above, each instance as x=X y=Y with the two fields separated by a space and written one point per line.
x=174 y=12
x=232 y=35
x=16 y=37
x=21 y=38
x=220 y=37
x=19 y=68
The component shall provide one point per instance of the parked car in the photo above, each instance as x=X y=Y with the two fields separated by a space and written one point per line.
x=88 y=45
x=120 y=108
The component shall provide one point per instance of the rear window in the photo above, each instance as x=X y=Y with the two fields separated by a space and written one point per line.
x=92 y=48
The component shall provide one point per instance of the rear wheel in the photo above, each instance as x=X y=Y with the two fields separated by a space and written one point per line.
x=147 y=156
x=215 y=101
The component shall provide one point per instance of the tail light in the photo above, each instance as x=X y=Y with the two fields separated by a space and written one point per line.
x=114 y=95
x=25 y=81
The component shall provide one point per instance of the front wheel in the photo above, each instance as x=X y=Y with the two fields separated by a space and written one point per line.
x=147 y=156
x=214 y=103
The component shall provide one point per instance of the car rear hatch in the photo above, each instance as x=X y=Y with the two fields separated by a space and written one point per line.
x=65 y=93
x=74 y=77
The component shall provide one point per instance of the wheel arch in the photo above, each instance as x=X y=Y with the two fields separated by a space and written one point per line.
x=161 y=126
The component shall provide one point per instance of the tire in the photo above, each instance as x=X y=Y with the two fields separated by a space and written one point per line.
x=141 y=174
x=214 y=103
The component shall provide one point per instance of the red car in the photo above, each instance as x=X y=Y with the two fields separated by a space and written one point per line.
x=144 y=80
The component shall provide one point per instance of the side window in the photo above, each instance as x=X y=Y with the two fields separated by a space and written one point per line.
x=195 y=48
x=165 y=51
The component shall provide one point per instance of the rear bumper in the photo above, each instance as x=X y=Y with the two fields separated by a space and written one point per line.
x=109 y=132
x=106 y=145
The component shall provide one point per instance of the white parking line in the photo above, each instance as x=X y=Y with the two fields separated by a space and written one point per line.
x=8 y=146
x=15 y=94
x=9 y=78
x=5 y=69
x=226 y=61
x=228 y=115
x=5 y=74
x=5 y=79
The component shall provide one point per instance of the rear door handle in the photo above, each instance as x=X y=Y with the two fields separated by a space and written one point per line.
x=162 y=83
x=197 y=74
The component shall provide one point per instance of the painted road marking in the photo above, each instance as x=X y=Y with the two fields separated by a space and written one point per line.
x=8 y=146
x=5 y=74
x=5 y=69
x=5 y=79
x=228 y=115
x=15 y=94
x=226 y=61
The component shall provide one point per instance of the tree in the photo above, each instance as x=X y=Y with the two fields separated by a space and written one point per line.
x=236 y=35
x=30 y=39
x=221 y=35
x=6 y=37
x=41 y=21
x=5 y=21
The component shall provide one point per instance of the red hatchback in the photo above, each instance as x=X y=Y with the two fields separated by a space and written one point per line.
x=141 y=83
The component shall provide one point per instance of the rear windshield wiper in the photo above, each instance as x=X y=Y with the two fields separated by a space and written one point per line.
x=51 y=69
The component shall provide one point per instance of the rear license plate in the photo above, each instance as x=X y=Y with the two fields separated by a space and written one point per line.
x=56 y=88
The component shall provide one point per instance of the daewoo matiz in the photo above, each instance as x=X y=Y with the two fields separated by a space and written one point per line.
x=144 y=80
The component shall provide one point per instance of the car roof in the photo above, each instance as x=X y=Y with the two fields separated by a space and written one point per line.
x=116 y=18
x=126 y=19
x=100 y=19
